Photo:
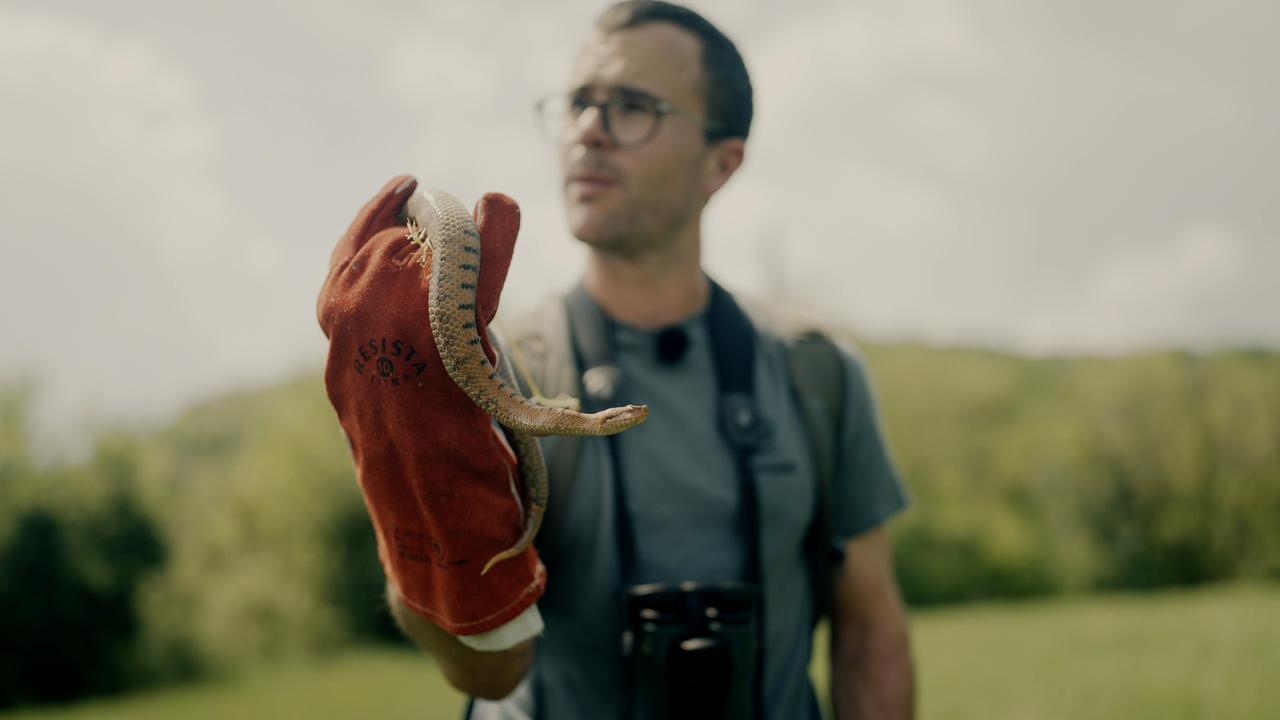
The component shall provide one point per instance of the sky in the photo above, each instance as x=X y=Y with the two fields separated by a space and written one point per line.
x=1040 y=177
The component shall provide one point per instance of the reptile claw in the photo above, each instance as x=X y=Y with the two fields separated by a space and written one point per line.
x=418 y=235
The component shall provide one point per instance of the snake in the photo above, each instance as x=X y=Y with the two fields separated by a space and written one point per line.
x=453 y=242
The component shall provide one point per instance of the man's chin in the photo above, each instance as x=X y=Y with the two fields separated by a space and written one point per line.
x=599 y=238
x=589 y=227
x=593 y=239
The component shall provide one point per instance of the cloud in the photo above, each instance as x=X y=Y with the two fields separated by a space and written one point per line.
x=1199 y=258
x=950 y=172
x=1196 y=290
x=1042 y=177
x=862 y=141
x=127 y=267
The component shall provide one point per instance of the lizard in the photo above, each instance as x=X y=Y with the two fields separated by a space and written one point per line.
x=450 y=243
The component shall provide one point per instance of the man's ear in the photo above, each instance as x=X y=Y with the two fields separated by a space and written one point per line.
x=724 y=157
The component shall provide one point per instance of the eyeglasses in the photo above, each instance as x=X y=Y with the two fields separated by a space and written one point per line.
x=630 y=117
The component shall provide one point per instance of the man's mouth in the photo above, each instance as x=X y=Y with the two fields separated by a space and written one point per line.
x=587 y=186
x=591 y=174
x=592 y=180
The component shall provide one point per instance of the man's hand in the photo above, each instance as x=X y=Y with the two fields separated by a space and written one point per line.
x=871 y=672
x=487 y=675
x=437 y=478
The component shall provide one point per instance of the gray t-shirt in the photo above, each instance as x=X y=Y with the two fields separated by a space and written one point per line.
x=682 y=489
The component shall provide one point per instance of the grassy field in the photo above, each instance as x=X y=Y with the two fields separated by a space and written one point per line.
x=1202 y=654
x=1212 y=653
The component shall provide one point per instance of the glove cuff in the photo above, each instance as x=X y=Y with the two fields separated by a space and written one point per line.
x=525 y=626
x=469 y=626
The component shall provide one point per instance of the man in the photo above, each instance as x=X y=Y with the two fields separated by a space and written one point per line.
x=654 y=125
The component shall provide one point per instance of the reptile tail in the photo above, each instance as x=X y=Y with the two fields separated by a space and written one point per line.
x=531 y=525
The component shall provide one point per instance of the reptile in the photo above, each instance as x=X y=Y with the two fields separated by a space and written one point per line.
x=448 y=235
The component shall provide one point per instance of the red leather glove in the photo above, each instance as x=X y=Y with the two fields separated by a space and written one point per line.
x=436 y=476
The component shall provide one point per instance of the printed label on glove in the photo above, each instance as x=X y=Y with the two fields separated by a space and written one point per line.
x=388 y=362
x=418 y=546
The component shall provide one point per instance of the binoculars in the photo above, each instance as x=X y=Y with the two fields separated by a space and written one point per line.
x=693 y=650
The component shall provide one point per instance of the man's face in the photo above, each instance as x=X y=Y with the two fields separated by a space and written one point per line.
x=627 y=200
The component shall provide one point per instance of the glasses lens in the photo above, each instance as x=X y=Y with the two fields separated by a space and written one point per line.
x=629 y=121
x=553 y=117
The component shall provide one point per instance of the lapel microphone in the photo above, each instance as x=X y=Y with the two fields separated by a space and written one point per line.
x=671 y=344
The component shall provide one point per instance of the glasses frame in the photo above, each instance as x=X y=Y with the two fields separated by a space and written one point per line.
x=661 y=108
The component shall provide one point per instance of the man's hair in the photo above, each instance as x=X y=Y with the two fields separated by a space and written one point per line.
x=726 y=85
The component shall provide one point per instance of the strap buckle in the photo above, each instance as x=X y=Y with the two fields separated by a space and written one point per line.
x=741 y=425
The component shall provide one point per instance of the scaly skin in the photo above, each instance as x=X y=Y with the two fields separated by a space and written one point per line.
x=534 y=470
x=455 y=272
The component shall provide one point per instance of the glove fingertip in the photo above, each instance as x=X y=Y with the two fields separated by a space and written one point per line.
x=379 y=212
x=389 y=202
x=498 y=220
x=499 y=212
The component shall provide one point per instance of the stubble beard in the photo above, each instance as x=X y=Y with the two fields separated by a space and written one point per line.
x=620 y=237
x=630 y=232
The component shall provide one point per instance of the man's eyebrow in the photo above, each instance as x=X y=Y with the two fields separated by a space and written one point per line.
x=627 y=91
x=633 y=93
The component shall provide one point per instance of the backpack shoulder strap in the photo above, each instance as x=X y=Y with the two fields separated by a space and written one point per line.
x=817 y=378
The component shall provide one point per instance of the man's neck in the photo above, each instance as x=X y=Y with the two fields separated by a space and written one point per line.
x=648 y=291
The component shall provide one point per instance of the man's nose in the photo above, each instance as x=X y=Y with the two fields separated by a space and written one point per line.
x=588 y=129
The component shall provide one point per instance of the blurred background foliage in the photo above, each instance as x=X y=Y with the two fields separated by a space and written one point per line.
x=237 y=534
x=1040 y=476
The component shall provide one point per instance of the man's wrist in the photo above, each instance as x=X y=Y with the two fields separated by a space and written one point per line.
x=489 y=675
